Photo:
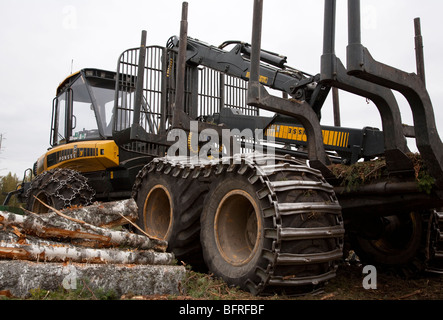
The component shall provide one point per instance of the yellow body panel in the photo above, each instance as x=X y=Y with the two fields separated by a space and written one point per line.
x=330 y=137
x=84 y=156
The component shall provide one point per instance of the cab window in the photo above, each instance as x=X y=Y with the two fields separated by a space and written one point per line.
x=84 y=122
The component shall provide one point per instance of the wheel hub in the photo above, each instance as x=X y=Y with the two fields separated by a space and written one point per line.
x=157 y=212
x=237 y=227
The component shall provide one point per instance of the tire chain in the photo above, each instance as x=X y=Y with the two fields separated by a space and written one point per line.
x=61 y=179
x=185 y=167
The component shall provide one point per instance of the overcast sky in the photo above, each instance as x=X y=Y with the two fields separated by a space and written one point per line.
x=40 y=39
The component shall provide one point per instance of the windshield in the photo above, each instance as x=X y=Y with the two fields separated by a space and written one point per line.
x=84 y=122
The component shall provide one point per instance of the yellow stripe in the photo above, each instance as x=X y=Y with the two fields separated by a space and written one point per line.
x=291 y=134
x=299 y=135
x=326 y=136
x=273 y=130
x=335 y=138
x=295 y=134
x=330 y=137
x=340 y=136
x=285 y=132
x=280 y=131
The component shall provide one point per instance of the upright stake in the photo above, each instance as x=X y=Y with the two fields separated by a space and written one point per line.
x=354 y=22
x=336 y=107
x=256 y=48
x=419 y=55
x=329 y=27
x=140 y=79
x=181 y=66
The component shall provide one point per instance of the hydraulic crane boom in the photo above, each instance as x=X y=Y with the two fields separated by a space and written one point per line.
x=274 y=73
x=350 y=144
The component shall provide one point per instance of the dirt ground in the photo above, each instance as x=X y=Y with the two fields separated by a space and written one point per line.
x=347 y=285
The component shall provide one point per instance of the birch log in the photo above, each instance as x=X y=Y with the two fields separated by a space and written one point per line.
x=14 y=245
x=67 y=230
x=63 y=253
x=105 y=215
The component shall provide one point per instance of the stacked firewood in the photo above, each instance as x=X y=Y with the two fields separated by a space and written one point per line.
x=83 y=235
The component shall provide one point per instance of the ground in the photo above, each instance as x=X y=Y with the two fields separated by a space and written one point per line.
x=347 y=285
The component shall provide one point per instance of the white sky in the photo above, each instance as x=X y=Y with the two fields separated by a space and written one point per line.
x=39 y=39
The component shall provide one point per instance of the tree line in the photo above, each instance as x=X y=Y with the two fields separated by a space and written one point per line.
x=9 y=183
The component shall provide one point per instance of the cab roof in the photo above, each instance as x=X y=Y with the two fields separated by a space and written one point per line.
x=87 y=73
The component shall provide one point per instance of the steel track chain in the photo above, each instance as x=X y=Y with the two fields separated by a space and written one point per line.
x=63 y=179
x=259 y=169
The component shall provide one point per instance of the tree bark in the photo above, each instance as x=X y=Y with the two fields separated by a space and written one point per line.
x=64 y=229
x=58 y=252
x=38 y=237
x=105 y=215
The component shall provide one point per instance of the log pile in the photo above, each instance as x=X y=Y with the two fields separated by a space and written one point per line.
x=81 y=235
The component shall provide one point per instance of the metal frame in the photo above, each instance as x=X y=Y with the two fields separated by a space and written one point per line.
x=335 y=74
x=187 y=89
x=140 y=99
x=301 y=110
x=361 y=65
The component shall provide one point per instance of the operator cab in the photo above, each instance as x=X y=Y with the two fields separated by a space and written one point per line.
x=83 y=107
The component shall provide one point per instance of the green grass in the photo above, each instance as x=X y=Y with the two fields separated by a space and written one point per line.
x=82 y=292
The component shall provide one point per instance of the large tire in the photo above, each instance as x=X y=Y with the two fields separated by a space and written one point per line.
x=233 y=230
x=398 y=246
x=59 y=188
x=293 y=238
x=274 y=231
x=169 y=208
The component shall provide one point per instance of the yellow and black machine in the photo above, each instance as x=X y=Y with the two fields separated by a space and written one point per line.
x=236 y=179
x=92 y=132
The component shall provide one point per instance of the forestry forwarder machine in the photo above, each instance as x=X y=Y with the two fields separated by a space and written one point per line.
x=273 y=216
